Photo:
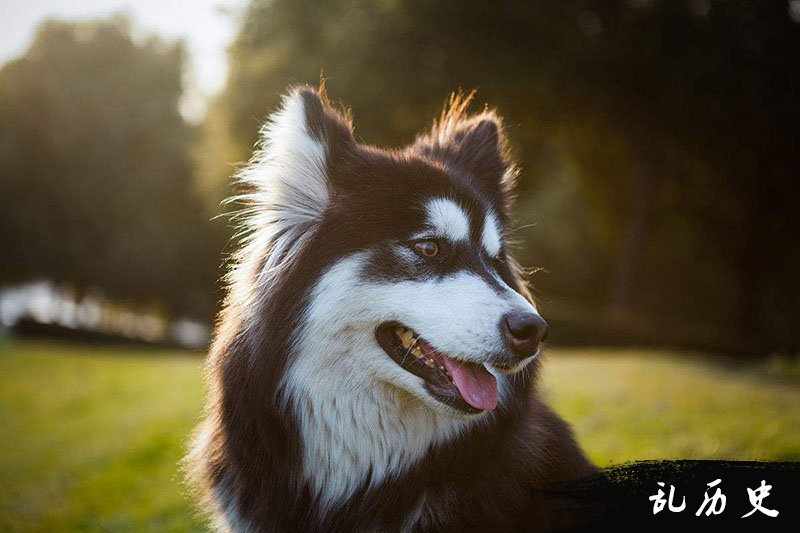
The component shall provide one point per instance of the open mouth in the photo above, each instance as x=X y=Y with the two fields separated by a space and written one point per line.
x=463 y=385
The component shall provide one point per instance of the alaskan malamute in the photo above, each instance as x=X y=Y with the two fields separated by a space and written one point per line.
x=374 y=366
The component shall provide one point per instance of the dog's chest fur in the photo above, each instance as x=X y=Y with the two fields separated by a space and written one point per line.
x=356 y=436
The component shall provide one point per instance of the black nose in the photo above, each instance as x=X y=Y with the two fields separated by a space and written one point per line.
x=524 y=332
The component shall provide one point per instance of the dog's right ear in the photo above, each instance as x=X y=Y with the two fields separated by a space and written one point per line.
x=289 y=171
x=287 y=184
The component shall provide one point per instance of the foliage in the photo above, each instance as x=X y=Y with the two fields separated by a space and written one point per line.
x=657 y=140
x=95 y=177
x=657 y=137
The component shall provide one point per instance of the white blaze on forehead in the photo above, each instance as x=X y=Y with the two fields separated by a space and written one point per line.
x=491 y=235
x=448 y=219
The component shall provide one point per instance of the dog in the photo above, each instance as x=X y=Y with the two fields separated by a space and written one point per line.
x=374 y=364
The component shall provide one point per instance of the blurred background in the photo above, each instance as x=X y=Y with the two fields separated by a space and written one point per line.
x=658 y=213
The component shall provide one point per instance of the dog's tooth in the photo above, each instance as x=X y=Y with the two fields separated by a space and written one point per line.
x=406 y=337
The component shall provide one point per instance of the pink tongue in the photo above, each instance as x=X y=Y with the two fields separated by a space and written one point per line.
x=476 y=385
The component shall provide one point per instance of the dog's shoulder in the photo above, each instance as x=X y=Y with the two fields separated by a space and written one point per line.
x=508 y=485
x=549 y=443
x=550 y=463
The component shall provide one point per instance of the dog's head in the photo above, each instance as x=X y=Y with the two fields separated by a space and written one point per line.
x=408 y=280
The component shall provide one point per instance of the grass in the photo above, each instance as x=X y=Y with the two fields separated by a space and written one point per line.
x=91 y=436
x=626 y=405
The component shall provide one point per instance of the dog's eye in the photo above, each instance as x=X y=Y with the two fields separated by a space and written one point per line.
x=427 y=248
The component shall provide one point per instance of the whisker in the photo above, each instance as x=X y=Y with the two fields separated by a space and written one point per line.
x=526 y=226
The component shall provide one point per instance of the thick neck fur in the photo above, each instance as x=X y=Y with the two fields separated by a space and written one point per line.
x=357 y=433
x=334 y=454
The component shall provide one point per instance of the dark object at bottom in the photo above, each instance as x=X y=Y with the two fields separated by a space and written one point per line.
x=622 y=496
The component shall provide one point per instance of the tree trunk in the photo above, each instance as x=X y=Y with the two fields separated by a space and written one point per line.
x=633 y=243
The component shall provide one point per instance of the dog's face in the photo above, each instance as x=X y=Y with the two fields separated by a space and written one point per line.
x=414 y=288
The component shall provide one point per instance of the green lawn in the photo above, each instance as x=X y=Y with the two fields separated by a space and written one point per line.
x=626 y=405
x=91 y=436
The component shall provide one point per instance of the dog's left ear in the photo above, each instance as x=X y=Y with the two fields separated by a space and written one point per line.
x=475 y=144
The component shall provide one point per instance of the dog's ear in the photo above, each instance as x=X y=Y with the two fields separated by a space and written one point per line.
x=287 y=182
x=289 y=173
x=321 y=122
x=475 y=144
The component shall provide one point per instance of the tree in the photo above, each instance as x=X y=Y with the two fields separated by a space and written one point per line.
x=657 y=139
x=95 y=179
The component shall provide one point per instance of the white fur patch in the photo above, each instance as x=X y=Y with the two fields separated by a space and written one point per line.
x=447 y=219
x=515 y=368
x=360 y=413
x=490 y=236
